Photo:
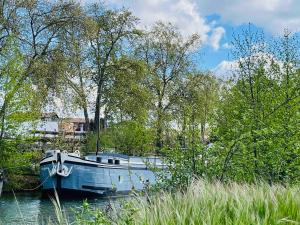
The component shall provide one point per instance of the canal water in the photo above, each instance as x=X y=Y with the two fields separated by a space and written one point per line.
x=32 y=209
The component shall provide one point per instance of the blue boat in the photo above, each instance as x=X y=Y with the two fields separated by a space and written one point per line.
x=96 y=174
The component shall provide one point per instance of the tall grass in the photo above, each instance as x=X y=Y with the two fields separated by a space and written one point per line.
x=60 y=215
x=209 y=204
x=216 y=203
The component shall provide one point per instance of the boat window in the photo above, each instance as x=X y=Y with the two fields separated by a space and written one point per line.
x=119 y=178
x=117 y=161
x=99 y=159
x=110 y=161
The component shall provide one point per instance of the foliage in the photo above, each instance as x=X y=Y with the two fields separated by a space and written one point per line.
x=128 y=137
x=153 y=100
x=167 y=56
x=18 y=158
x=196 y=102
x=18 y=101
x=124 y=214
x=89 y=216
x=255 y=130
x=107 y=32
x=183 y=165
x=129 y=98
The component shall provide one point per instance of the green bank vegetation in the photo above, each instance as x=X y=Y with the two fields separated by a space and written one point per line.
x=202 y=203
x=155 y=100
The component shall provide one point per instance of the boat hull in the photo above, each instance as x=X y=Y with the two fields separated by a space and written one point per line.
x=91 y=178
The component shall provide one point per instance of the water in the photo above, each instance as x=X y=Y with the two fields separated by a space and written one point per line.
x=32 y=209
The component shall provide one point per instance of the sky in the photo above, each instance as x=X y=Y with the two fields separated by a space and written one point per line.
x=216 y=21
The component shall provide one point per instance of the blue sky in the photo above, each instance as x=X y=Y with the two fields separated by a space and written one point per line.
x=215 y=21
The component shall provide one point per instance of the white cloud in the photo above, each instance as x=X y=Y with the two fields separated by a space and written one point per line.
x=189 y=15
x=216 y=37
x=227 y=45
x=225 y=69
x=230 y=69
x=272 y=15
x=182 y=13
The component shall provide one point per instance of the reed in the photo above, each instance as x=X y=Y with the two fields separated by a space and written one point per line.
x=60 y=215
x=208 y=203
x=216 y=203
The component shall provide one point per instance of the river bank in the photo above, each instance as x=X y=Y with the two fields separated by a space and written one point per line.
x=21 y=183
x=201 y=203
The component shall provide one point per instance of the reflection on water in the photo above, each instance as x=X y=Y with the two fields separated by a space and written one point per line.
x=31 y=208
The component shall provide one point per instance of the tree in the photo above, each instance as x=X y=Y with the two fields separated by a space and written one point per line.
x=16 y=96
x=255 y=126
x=8 y=21
x=286 y=111
x=19 y=101
x=128 y=97
x=128 y=137
x=107 y=32
x=167 y=56
x=196 y=104
x=28 y=38
x=76 y=75
x=241 y=120
x=39 y=25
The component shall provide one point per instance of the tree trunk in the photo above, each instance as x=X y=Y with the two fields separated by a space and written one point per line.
x=97 y=116
x=105 y=119
x=193 y=143
x=159 y=143
x=202 y=132
x=288 y=156
x=3 y=110
x=97 y=110
x=183 y=144
x=254 y=102
x=159 y=131
x=84 y=105
x=86 y=118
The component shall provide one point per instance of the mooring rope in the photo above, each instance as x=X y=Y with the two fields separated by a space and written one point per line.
x=37 y=187
x=15 y=167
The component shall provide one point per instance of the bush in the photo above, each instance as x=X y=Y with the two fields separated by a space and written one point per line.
x=127 y=137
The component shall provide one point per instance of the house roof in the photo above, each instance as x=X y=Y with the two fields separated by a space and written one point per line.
x=49 y=115
x=54 y=115
x=73 y=120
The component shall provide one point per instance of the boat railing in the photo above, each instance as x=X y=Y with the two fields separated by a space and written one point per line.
x=130 y=160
